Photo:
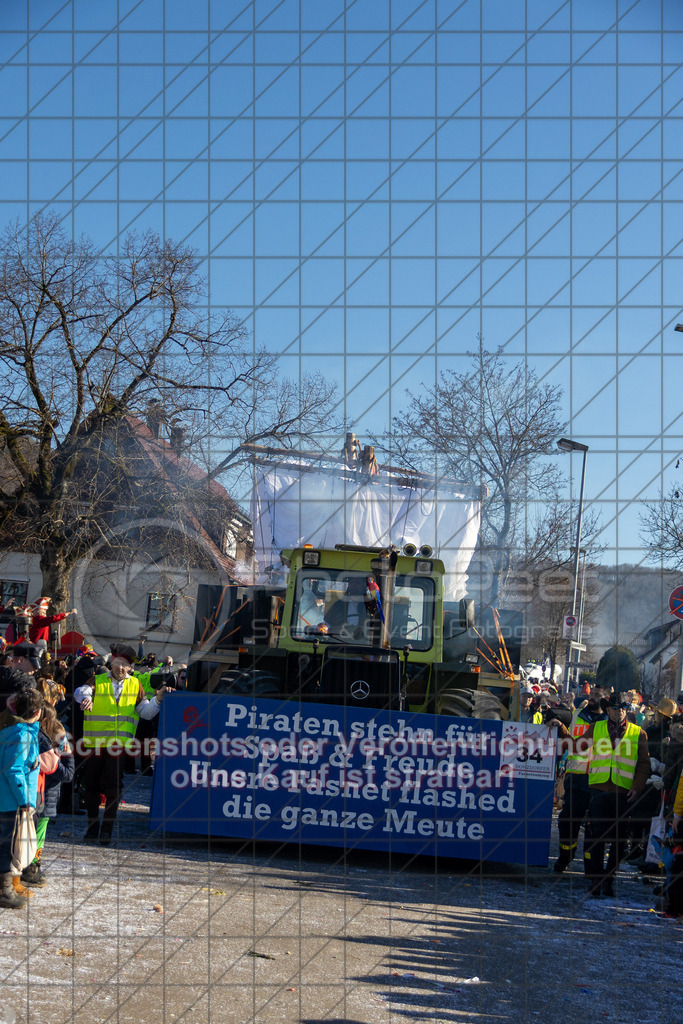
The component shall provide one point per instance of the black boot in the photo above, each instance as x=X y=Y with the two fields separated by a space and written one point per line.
x=563 y=861
x=106 y=833
x=33 y=876
x=109 y=817
x=92 y=833
x=608 y=888
x=9 y=898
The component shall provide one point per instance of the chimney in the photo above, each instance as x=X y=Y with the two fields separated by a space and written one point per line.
x=177 y=439
x=155 y=416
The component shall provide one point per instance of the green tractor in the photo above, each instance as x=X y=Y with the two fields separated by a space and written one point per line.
x=358 y=627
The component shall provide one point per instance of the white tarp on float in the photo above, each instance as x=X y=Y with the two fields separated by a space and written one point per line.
x=290 y=508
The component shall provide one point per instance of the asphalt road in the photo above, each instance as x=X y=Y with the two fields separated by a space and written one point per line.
x=176 y=929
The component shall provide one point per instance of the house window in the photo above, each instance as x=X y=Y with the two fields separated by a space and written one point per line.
x=13 y=589
x=160 y=612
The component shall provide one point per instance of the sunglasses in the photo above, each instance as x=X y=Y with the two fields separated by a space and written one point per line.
x=619 y=707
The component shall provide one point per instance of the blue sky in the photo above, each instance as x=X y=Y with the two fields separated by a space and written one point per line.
x=371 y=184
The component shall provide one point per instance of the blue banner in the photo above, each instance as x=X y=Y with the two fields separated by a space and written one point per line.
x=335 y=776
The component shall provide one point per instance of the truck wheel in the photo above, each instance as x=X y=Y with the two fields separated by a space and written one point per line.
x=456 y=702
x=470 y=704
x=250 y=684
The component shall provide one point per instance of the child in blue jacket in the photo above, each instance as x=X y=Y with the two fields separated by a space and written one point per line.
x=19 y=766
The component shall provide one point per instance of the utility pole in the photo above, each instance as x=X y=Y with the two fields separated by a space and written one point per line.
x=566 y=444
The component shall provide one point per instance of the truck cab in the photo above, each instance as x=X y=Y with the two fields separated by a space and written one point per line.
x=351 y=625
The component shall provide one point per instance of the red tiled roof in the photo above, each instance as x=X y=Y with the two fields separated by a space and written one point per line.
x=166 y=460
x=168 y=464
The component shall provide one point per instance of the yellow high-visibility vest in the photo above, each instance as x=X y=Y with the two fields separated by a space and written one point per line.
x=537 y=718
x=108 y=722
x=616 y=764
x=145 y=679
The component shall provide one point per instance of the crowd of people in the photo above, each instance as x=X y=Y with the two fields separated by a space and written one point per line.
x=70 y=728
x=619 y=768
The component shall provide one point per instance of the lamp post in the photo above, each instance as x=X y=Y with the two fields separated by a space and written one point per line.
x=679 y=670
x=582 y=598
x=566 y=444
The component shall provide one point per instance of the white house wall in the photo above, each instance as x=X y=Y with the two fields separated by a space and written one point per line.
x=112 y=601
x=15 y=565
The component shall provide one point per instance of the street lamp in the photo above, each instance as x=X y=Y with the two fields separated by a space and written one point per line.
x=565 y=444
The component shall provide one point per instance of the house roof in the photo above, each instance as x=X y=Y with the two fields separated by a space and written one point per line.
x=172 y=467
x=10 y=478
x=657 y=640
x=168 y=467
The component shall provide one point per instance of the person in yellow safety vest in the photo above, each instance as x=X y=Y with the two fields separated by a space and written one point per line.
x=618 y=771
x=151 y=680
x=145 y=681
x=112 y=703
x=576 y=788
x=674 y=889
x=528 y=708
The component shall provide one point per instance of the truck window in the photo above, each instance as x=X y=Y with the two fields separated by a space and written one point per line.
x=333 y=606
x=412 y=621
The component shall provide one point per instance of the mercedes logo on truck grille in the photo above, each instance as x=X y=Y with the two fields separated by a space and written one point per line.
x=360 y=689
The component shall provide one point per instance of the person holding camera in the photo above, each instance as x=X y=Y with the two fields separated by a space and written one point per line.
x=146 y=733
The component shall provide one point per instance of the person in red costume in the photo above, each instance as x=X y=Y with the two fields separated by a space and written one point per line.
x=40 y=627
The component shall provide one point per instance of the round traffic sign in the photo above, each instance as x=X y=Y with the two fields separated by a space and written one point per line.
x=570 y=620
x=676 y=602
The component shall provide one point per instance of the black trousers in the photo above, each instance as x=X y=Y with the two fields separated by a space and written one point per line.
x=608 y=825
x=570 y=818
x=674 y=891
x=7 y=820
x=641 y=812
x=102 y=773
x=146 y=731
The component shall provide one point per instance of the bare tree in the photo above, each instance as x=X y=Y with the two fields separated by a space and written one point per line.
x=544 y=591
x=661 y=525
x=88 y=339
x=493 y=424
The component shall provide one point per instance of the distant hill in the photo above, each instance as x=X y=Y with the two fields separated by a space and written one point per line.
x=624 y=602
x=631 y=599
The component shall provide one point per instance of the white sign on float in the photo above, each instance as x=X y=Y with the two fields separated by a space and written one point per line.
x=424 y=784
x=291 y=508
x=529 y=750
